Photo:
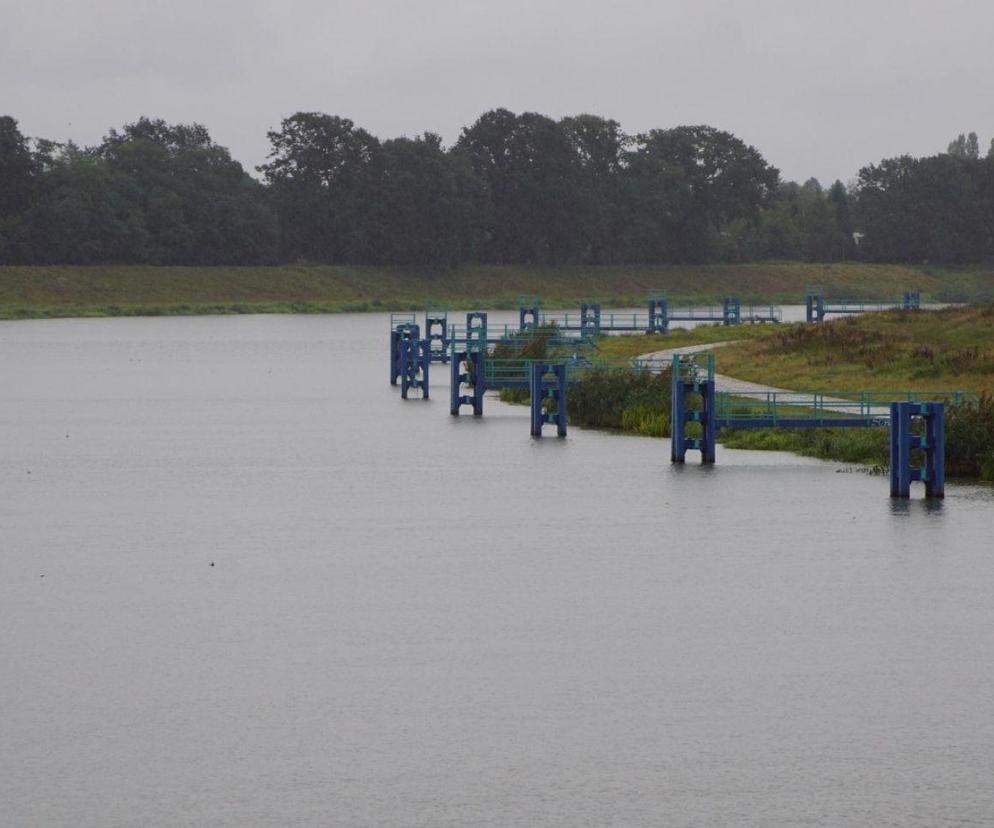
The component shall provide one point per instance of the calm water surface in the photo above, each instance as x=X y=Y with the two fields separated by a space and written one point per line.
x=419 y=620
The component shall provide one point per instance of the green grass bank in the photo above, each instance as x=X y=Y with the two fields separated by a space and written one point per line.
x=950 y=349
x=123 y=290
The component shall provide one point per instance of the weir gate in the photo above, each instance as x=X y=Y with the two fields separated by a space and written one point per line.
x=479 y=361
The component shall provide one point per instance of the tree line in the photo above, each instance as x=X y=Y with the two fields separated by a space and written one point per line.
x=513 y=189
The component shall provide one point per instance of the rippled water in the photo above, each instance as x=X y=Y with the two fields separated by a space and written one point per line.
x=414 y=619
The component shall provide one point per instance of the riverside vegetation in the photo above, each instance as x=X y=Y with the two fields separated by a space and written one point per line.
x=146 y=290
x=950 y=349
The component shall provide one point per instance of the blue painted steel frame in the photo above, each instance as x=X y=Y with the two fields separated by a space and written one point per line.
x=680 y=415
x=467 y=369
x=590 y=318
x=541 y=391
x=528 y=317
x=437 y=331
x=931 y=443
x=398 y=333
x=415 y=359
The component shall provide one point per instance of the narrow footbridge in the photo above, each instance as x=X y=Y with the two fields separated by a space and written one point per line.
x=916 y=419
x=817 y=306
x=594 y=320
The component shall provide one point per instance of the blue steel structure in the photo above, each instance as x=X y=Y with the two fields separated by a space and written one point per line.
x=817 y=306
x=400 y=331
x=415 y=360
x=437 y=332
x=528 y=317
x=905 y=444
x=593 y=320
x=590 y=319
x=694 y=400
x=467 y=371
x=543 y=390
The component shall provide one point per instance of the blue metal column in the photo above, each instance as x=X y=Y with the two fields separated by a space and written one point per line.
x=466 y=369
x=415 y=359
x=539 y=393
x=536 y=397
x=590 y=318
x=731 y=311
x=456 y=379
x=436 y=330
x=932 y=444
x=400 y=332
x=394 y=355
x=709 y=433
x=678 y=422
x=477 y=361
x=900 y=471
x=659 y=315
x=935 y=450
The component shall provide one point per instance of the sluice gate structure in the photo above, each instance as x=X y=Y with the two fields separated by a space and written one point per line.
x=479 y=362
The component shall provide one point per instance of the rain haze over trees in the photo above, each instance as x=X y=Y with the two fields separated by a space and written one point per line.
x=512 y=189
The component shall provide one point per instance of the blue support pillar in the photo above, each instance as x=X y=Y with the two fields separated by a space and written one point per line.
x=528 y=318
x=731 y=310
x=935 y=450
x=659 y=315
x=932 y=443
x=912 y=300
x=467 y=369
x=398 y=334
x=814 y=304
x=415 y=359
x=437 y=333
x=590 y=319
x=678 y=447
x=680 y=415
x=476 y=331
x=709 y=433
x=542 y=391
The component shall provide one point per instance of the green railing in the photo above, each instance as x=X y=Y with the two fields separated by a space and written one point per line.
x=774 y=406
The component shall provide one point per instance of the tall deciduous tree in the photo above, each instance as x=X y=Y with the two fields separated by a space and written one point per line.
x=19 y=173
x=322 y=170
x=529 y=171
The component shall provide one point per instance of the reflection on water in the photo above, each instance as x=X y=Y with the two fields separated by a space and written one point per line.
x=415 y=619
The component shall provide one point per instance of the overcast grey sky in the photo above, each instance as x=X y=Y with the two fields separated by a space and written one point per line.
x=819 y=87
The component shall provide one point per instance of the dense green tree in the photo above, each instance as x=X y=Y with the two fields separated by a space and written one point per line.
x=427 y=204
x=322 y=171
x=695 y=182
x=600 y=148
x=19 y=179
x=514 y=188
x=87 y=213
x=529 y=172
x=965 y=146
x=923 y=209
x=200 y=206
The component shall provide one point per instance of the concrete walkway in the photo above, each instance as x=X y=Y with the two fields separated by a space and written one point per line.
x=733 y=385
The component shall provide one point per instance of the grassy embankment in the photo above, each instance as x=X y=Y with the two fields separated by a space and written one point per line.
x=952 y=349
x=33 y=292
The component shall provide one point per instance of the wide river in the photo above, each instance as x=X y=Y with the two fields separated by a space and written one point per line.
x=243 y=584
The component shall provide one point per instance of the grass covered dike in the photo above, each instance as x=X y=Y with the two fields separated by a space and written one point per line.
x=126 y=290
x=929 y=350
